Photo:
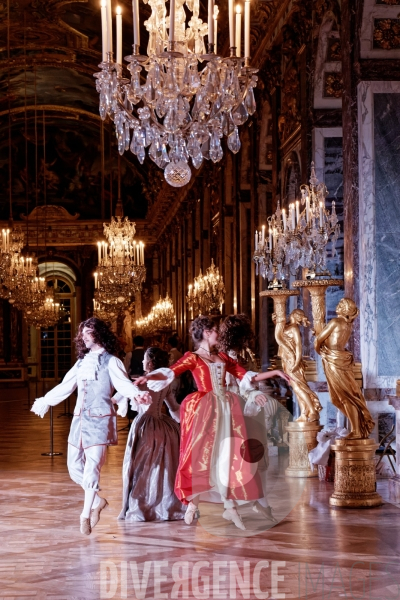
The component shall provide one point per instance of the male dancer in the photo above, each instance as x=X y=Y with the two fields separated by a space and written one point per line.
x=94 y=425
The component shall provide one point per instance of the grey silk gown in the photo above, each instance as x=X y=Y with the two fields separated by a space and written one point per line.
x=150 y=463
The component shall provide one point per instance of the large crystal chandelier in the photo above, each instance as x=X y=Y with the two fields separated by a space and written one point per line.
x=299 y=238
x=121 y=269
x=190 y=98
x=207 y=293
x=145 y=326
x=12 y=242
x=163 y=314
x=25 y=290
x=46 y=315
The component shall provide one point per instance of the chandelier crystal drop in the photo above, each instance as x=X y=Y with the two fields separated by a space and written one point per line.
x=207 y=293
x=299 y=238
x=189 y=100
x=121 y=270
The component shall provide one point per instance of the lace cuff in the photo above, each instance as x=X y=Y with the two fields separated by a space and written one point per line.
x=122 y=407
x=40 y=407
x=246 y=386
x=251 y=409
x=156 y=385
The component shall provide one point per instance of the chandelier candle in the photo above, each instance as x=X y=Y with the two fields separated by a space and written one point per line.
x=210 y=24
x=104 y=28
x=136 y=28
x=238 y=29
x=171 y=22
x=247 y=29
x=231 y=23
x=119 y=35
x=215 y=27
x=109 y=27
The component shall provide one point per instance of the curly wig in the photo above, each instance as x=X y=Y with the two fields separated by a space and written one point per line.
x=235 y=333
x=199 y=326
x=158 y=357
x=102 y=335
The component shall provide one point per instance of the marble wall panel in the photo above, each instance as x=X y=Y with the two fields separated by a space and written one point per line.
x=379 y=228
x=387 y=223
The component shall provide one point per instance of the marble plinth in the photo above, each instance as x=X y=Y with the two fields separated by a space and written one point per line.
x=302 y=439
x=355 y=478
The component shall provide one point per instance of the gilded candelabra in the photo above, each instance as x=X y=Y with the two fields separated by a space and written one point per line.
x=299 y=238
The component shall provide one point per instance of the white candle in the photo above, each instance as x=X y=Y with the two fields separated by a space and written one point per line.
x=8 y=240
x=210 y=21
x=215 y=27
x=142 y=254
x=136 y=28
x=137 y=255
x=231 y=24
x=293 y=217
x=307 y=209
x=247 y=29
x=95 y=281
x=256 y=241
x=238 y=29
x=119 y=34
x=171 y=20
x=263 y=235
x=321 y=215
x=109 y=27
x=284 y=219
x=104 y=27
x=297 y=211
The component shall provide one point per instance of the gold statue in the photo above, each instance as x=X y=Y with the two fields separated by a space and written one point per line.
x=290 y=350
x=338 y=363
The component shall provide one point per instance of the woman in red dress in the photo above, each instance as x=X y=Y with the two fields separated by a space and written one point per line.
x=214 y=462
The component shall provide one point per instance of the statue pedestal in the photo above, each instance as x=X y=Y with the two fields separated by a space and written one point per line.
x=355 y=478
x=302 y=439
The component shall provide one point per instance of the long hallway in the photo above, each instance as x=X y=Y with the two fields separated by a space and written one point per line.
x=315 y=552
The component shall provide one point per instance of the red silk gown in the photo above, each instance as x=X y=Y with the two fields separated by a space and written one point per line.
x=204 y=415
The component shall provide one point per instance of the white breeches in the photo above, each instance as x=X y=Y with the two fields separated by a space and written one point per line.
x=84 y=465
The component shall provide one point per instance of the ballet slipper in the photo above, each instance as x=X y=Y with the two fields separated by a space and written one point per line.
x=265 y=511
x=192 y=512
x=231 y=514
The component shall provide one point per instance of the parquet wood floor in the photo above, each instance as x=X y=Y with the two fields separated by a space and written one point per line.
x=315 y=552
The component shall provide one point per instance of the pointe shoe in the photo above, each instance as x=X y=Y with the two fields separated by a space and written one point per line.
x=231 y=514
x=85 y=526
x=192 y=512
x=95 y=512
x=265 y=511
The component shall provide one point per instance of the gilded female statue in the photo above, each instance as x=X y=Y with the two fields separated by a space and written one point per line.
x=290 y=350
x=338 y=363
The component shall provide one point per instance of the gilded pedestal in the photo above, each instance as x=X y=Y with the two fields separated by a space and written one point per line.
x=317 y=289
x=302 y=439
x=355 y=479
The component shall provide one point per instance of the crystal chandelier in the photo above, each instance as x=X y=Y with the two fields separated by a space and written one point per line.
x=46 y=315
x=145 y=326
x=207 y=294
x=163 y=314
x=25 y=290
x=190 y=99
x=12 y=242
x=121 y=269
x=299 y=238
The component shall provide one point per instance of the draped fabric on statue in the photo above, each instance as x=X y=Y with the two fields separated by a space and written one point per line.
x=338 y=366
x=213 y=435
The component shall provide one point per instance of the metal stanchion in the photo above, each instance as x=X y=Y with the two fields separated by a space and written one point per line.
x=51 y=453
x=67 y=412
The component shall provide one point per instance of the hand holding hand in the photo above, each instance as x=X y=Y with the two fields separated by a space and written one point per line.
x=140 y=380
x=144 y=398
x=260 y=400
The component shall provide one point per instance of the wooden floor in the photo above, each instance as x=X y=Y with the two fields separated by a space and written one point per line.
x=315 y=552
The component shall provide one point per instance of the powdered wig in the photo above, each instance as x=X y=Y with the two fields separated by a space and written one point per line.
x=102 y=335
x=235 y=333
